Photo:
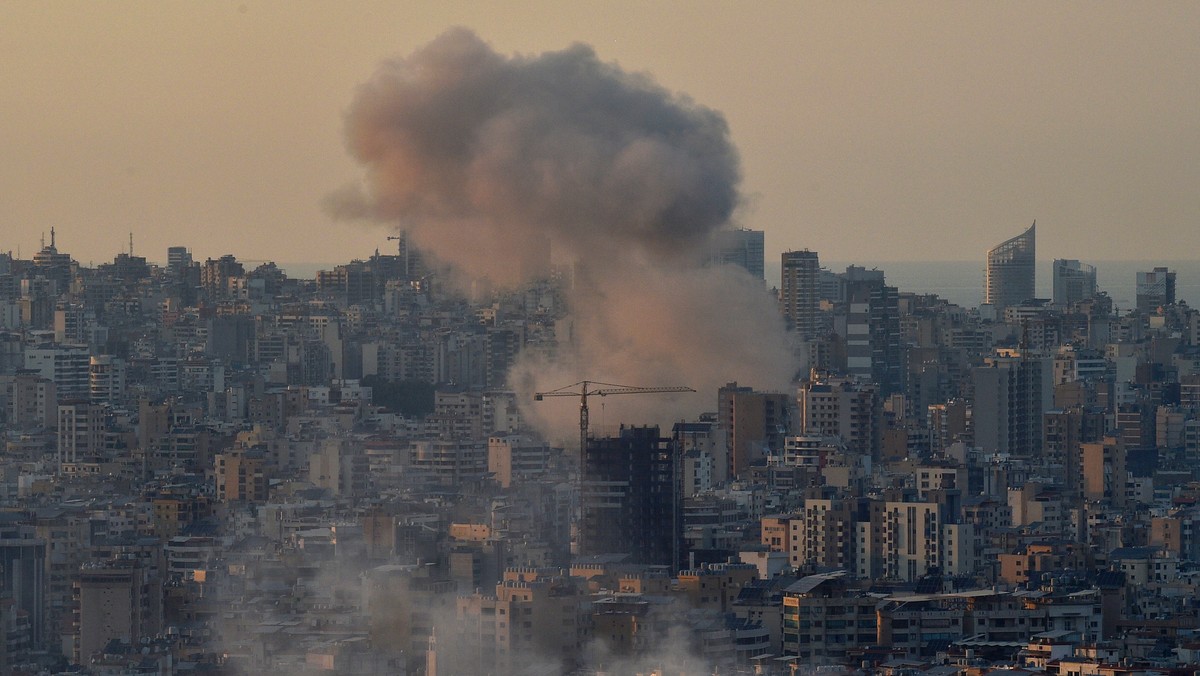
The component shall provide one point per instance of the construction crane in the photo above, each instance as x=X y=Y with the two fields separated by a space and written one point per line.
x=585 y=388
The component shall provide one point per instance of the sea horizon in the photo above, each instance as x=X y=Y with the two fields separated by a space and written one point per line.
x=962 y=282
x=958 y=281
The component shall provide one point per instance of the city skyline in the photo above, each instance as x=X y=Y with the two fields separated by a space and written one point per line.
x=223 y=462
x=223 y=122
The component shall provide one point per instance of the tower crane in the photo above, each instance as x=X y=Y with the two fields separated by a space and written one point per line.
x=590 y=388
x=585 y=388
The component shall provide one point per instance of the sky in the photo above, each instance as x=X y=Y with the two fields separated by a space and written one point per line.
x=879 y=131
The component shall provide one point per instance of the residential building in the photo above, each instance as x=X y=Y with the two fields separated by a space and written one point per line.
x=1011 y=396
x=799 y=292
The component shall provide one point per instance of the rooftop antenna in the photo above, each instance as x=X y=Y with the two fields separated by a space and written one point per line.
x=52 y=237
x=131 y=245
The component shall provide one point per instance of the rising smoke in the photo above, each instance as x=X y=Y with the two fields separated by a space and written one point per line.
x=483 y=157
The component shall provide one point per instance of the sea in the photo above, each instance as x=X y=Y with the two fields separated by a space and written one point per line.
x=961 y=282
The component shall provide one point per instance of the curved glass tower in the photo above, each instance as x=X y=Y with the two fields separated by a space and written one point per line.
x=1010 y=271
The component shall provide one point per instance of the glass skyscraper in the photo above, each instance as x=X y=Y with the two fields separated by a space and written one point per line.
x=1010 y=271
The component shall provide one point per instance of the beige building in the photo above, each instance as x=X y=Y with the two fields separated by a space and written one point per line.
x=240 y=476
x=533 y=617
x=1103 y=470
x=823 y=619
x=715 y=586
x=117 y=600
x=516 y=456
x=32 y=401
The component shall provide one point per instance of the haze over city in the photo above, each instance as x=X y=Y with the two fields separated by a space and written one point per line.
x=920 y=129
x=321 y=328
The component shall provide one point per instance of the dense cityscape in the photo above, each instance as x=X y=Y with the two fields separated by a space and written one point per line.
x=211 y=467
x=573 y=384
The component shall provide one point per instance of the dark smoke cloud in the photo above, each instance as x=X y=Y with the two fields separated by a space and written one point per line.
x=483 y=157
x=478 y=155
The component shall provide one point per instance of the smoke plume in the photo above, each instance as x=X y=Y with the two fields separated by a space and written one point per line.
x=483 y=158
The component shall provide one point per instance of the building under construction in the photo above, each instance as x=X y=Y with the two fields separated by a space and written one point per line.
x=630 y=498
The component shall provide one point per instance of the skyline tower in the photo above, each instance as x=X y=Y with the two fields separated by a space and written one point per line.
x=1073 y=281
x=799 y=291
x=742 y=247
x=1010 y=271
x=1155 y=289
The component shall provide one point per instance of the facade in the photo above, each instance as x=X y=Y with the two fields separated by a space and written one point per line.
x=755 y=423
x=1011 y=396
x=240 y=476
x=1155 y=289
x=532 y=620
x=824 y=619
x=32 y=401
x=799 y=292
x=451 y=461
x=1011 y=272
x=826 y=534
x=517 y=456
x=741 y=247
x=874 y=349
x=117 y=600
x=23 y=575
x=106 y=379
x=1073 y=281
x=1063 y=432
x=630 y=498
x=69 y=366
x=80 y=432
x=843 y=408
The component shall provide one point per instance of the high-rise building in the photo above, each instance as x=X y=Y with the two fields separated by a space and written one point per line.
x=1155 y=289
x=1103 y=464
x=1011 y=396
x=54 y=266
x=70 y=323
x=80 y=432
x=240 y=476
x=1063 y=432
x=106 y=379
x=67 y=365
x=215 y=275
x=178 y=259
x=32 y=401
x=1073 y=281
x=1010 y=271
x=874 y=349
x=843 y=408
x=755 y=424
x=630 y=498
x=799 y=291
x=23 y=572
x=741 y=247
x=118 y=599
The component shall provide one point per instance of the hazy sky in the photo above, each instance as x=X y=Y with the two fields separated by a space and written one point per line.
x=869 y=131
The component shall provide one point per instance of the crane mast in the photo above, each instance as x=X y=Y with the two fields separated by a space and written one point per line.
x=590 y=388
